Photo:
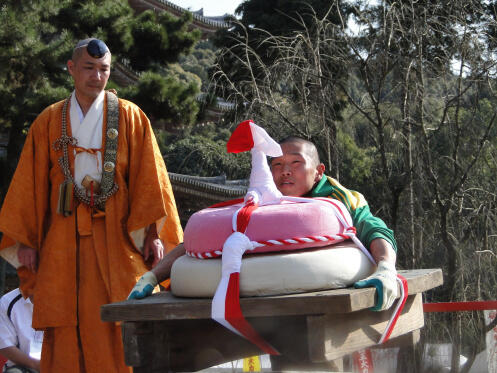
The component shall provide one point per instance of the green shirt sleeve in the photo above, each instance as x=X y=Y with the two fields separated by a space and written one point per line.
x=367 y=225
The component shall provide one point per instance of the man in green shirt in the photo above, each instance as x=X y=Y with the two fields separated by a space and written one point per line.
x=299 y=173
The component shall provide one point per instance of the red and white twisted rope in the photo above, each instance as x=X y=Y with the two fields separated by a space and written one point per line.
x=330 y=239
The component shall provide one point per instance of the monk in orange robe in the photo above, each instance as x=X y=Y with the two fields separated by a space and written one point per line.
x=76 y=249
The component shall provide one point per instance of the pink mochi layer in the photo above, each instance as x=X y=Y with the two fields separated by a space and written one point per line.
x=208 y=229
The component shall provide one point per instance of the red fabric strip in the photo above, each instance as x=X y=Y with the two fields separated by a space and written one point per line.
x=226 y=203
x=244 y=215
x=233 y=314
x=460 y=306
x=396 y=317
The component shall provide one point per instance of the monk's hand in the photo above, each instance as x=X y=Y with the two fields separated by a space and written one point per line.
x=144 y=287
x=384 y=279
x=28 y=257
x=153 y=249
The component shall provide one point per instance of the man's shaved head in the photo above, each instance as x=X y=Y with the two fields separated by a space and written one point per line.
x=298 y=169
x=308 y=146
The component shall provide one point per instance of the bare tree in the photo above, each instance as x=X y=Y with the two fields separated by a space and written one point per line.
x=296 y=92
x=430 y=61
x=419 y=80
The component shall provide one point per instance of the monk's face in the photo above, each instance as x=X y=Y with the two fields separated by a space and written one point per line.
x=90 y=74
x=295 y=173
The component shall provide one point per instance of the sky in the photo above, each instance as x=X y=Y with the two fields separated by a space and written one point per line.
x=211 y=7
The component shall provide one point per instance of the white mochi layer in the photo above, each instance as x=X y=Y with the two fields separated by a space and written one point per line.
x=333 y=267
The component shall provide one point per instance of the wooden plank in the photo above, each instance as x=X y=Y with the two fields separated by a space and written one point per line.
x=332 y=336
x=405 y=340
x=165 y=306
x=420 y=280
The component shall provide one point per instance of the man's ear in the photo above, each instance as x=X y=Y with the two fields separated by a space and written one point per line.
x=320 y=168
x=70 y=65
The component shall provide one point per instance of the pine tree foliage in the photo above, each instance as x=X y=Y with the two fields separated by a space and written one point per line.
x=165 y=98
x=202 y=151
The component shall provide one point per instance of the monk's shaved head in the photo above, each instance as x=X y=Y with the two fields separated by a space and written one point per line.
x=76 y=54
x=94 y=47
x=307 y=146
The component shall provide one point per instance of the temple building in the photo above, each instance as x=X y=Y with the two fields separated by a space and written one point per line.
x=193 y=193
x=207 y=25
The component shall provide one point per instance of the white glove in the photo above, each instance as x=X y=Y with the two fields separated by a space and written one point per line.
x=144 y=287
x=385 y=282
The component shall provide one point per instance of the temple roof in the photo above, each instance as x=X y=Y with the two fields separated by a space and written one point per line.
x=208 y=25
x=123 y=74
x=212 y=189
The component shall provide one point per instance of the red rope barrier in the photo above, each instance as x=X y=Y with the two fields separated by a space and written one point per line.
x=460 y=306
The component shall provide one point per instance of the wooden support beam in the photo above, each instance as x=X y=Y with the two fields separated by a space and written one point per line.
x=332 y=336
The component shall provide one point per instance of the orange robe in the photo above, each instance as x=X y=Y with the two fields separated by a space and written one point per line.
x=86 y=259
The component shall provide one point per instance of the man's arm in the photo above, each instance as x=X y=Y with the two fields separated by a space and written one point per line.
x=380 y=241
x=18 y=357
x=368 y=226
x=381 y=249
x=162 y=271
x=9 y=338
x=384 y=279
x=371 y=228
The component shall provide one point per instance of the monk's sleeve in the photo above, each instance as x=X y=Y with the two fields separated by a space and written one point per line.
x=151 y=198
x=23 y=218
x=368 y=226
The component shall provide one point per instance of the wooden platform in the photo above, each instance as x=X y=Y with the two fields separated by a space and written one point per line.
x=163 y=333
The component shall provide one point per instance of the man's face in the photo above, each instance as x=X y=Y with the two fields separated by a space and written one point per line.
x=294 y=173
x=90 y=74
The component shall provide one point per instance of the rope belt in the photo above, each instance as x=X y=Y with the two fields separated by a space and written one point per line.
x=92 y=151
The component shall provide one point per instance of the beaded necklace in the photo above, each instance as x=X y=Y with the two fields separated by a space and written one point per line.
x=108 y=186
